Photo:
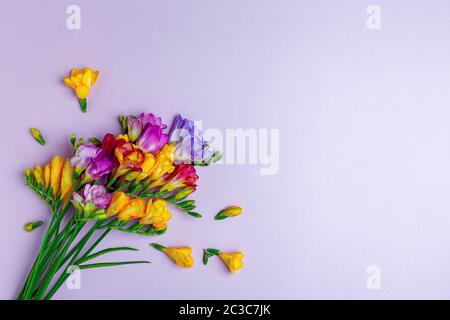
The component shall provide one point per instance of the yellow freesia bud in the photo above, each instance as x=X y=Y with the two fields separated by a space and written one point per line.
x=231 y=211
x=119 y=201
x=47 y=175
x=164 y=162
x=38 y=174
x=66 y=180
x=156 y=214
x=37 y=136
x=181 y=256
x=134 y=209
x=30 y=226
x=28 y=172
x=233 y=260
x=55 y=174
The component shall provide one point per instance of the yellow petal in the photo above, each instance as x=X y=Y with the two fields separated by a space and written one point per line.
x=87 y=77
x=74 y=72
x=69 y=83
x=66 y=179
x=55 y=174
x=82 y=91
x=233 y=260
x=119 y=201
x=47 y=175
x=39 y=175
x=95 y=77
x=134 y=209
x=181 y=256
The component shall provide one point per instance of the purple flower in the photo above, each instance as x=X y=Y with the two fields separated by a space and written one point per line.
x=152 y=138
x=150 y=118
x=100 y=165
x=190 y=146
x=84 y=154
x=135 y=127
x=95 y=194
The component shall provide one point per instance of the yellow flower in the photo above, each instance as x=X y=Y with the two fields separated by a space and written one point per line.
x=147 y=166
x=233 y=260
x=134 y=209
x=231 y=211
x=156 y=214
x=164 y=162
x=55 y=174
x=119 y=201
x=181 y=256
x=38 y=174
x=66 y=179
x=81 y=81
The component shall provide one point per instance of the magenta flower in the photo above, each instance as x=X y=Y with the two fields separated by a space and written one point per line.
x=84 y=154
x=99 y=166
x=152 y=138
x=150 y=118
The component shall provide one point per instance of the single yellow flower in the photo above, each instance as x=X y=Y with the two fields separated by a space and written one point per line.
x=81 y=82
x=134 y=209
x=56 y=166
x=181 y=256
x=164 y=162
x=233 y=260
x=156 y=214
x=231 y=211
x=119 y=201
x=66 y=180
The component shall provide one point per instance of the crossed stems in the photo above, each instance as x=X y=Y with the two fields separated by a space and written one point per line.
x=56 y=251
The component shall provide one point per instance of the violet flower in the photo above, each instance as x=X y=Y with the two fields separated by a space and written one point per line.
x=91 y=203
x=96 y=194
x=84 y=154
x=190 y=146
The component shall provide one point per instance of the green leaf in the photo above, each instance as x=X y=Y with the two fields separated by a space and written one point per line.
x=212 y=251
x=109 y=264
x=194 y=214
x=105 y=251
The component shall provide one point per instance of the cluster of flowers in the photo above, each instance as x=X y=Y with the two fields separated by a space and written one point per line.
x=123 y=182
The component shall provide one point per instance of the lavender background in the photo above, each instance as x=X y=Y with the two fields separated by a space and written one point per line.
x=364 y=119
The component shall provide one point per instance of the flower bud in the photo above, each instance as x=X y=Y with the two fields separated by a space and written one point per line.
x=183 y=193
x=37 y=136
x=135 y=127
x=231 y=211
x=30 y=226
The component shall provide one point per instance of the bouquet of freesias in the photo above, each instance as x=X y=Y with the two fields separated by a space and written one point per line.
x=123 y=182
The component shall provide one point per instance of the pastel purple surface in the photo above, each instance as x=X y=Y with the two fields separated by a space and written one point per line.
x=364 y=120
